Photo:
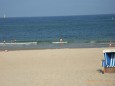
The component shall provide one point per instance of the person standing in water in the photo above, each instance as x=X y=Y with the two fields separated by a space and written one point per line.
x=4 y=41
x=61 y=39
x=110 y=44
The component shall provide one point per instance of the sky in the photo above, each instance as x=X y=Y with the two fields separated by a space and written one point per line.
x=35 y=8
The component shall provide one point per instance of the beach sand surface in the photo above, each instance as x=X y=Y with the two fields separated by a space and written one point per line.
x=54 y=67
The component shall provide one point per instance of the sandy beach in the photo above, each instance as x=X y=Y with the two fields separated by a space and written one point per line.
x=54 y=67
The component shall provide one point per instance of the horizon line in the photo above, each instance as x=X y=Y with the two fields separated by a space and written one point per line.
x=56 y=15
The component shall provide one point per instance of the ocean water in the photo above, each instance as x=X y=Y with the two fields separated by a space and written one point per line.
x=40 y=32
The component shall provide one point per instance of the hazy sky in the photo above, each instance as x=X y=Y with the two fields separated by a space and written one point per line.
x=22 y=8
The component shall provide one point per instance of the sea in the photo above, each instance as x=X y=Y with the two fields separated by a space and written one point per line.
x=82 y=31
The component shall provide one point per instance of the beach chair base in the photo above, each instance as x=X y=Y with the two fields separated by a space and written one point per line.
x=108 y=70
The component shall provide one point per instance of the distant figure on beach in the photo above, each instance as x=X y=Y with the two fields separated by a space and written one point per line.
x=15 y=41
x=6 y=50
x=4 y=41
x=61 y=39
x=110 y=44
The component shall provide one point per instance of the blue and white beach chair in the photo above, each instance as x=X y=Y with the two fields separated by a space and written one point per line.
x=109 y=58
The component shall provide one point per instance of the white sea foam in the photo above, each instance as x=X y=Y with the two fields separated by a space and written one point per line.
x=20 y=43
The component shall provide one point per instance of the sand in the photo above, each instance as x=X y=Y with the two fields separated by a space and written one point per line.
x=54 y=67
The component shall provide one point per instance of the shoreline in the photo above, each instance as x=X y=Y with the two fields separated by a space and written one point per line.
x=54 y=48
x=37 y=46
